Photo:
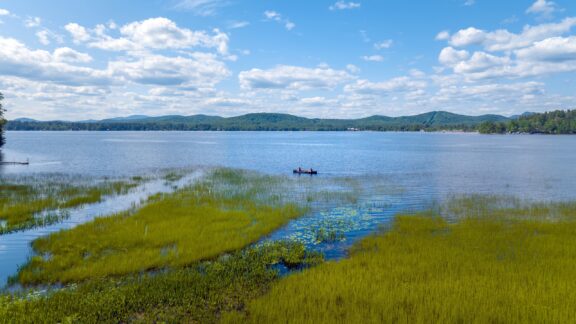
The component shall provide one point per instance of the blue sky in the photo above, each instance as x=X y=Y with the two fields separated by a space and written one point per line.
x=344 y=59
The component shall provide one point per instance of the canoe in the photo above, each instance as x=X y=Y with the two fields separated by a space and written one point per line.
x=305 y=172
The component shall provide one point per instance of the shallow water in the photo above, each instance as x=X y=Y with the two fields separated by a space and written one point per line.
x=397 y=171
x=15 y=248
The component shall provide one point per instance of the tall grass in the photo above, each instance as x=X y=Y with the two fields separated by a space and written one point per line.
x=197 y=294
x=494 y=260
x=225 y=212
x=32 y=202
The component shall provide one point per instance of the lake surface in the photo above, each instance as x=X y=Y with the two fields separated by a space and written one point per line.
x=528 y=166
x=408 y=171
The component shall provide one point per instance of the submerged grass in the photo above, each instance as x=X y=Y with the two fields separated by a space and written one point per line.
x=494 y=260
x=28 y=203
x=225 y=212
x=196 y=294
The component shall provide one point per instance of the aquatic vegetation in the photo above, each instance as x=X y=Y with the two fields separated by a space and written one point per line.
x=33 y=202
x=491 y=260
x=199 y=293
x=332 y=225
x=226 y=211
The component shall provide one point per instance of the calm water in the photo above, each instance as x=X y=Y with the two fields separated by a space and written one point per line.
x=415 y=168
x=539 y=167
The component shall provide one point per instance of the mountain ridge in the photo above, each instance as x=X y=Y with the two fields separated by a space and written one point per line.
x=435 y=120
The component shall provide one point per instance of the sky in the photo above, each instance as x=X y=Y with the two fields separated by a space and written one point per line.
x=85 y=59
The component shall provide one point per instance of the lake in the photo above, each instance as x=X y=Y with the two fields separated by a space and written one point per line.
x=423 y=166
x=528 y=166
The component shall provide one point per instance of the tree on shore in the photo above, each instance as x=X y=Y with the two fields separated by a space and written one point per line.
x=2 y=121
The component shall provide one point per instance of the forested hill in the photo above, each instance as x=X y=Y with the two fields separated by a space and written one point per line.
x=432 y=121
x=554 y=122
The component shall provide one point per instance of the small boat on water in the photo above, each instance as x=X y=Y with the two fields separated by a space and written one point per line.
x=303 y=171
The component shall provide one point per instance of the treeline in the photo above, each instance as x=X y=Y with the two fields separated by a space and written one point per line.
x=554 y=122
x=2 y=121
x=432 y=121
x=127 y=126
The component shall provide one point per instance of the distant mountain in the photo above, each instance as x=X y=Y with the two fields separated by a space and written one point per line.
x=525 y=114
x=124 y=119
x=436 y=120
x=29 y=120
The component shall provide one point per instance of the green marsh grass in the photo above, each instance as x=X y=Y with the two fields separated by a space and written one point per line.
x=226 y=211
x=32 y=202
x=478 y=259
x=196 y=294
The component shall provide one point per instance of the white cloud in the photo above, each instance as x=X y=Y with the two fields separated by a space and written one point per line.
x=480 y=62
x=271 y=15
x=467 y=37
x=18 y=60
x=352 y=68
x=4 y=12
x=536 y=51
x=200 y=71
x=443 y=35
x=373 y=58
x=556 y=49
x=46 y=36
x=384 y=44
x=79 y=33
x=43 y=37
x=238 y=24
x=66 y=54
x=32 y=22
x=450 y=56
x=392 y=86
x=154 y=33
x=469 y=3
x=343 y=5
x=503 y=40
x=292 y=77
x=544 y=8
x=201 y=7
x=318 y=101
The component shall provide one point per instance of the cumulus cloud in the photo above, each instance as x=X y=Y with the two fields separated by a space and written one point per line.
x=154 y=33
x=18 y=60
x=480 y=62
x=556 y=49
x=79 y=33
x=467 y=37
x=392 y=86
x=66 y=54
x=503 y=40
x=443 y=35
x=43 y=37
x=343 y=5
x=292 y=77
x=199 y=71
x=537 y=50
x=450 y=56
x=4 y=12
